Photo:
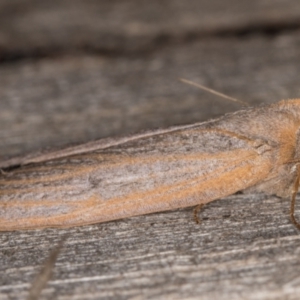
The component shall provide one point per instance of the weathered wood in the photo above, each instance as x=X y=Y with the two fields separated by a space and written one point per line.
x=246 y=246
x=45 y=27
x=55 y=102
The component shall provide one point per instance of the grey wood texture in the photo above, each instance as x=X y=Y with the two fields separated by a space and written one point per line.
x=74 y=71
x=37 y=27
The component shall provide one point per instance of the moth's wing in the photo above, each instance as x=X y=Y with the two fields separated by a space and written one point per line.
x=101 y=144
x=150 y=174
x=182 y=169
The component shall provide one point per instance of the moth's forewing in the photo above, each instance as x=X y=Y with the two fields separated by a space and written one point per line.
x=157 y=173
x=152 y=172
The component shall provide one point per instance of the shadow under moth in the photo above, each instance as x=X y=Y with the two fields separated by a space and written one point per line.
x=256 y=149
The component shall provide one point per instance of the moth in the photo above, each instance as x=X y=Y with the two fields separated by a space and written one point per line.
x=255 y=149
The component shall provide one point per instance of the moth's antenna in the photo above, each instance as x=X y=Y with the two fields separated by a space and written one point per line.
x=213 y=91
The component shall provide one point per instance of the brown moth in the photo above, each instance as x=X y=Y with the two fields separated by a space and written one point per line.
x=256 y=148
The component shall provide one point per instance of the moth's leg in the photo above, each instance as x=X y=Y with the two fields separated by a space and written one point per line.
x=45 y=274
x=196 y=213
x=293 y=200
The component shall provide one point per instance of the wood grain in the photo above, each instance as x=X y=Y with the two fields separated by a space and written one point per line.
x=118 y=28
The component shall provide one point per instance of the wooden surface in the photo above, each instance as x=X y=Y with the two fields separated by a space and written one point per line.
x=73 y=71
